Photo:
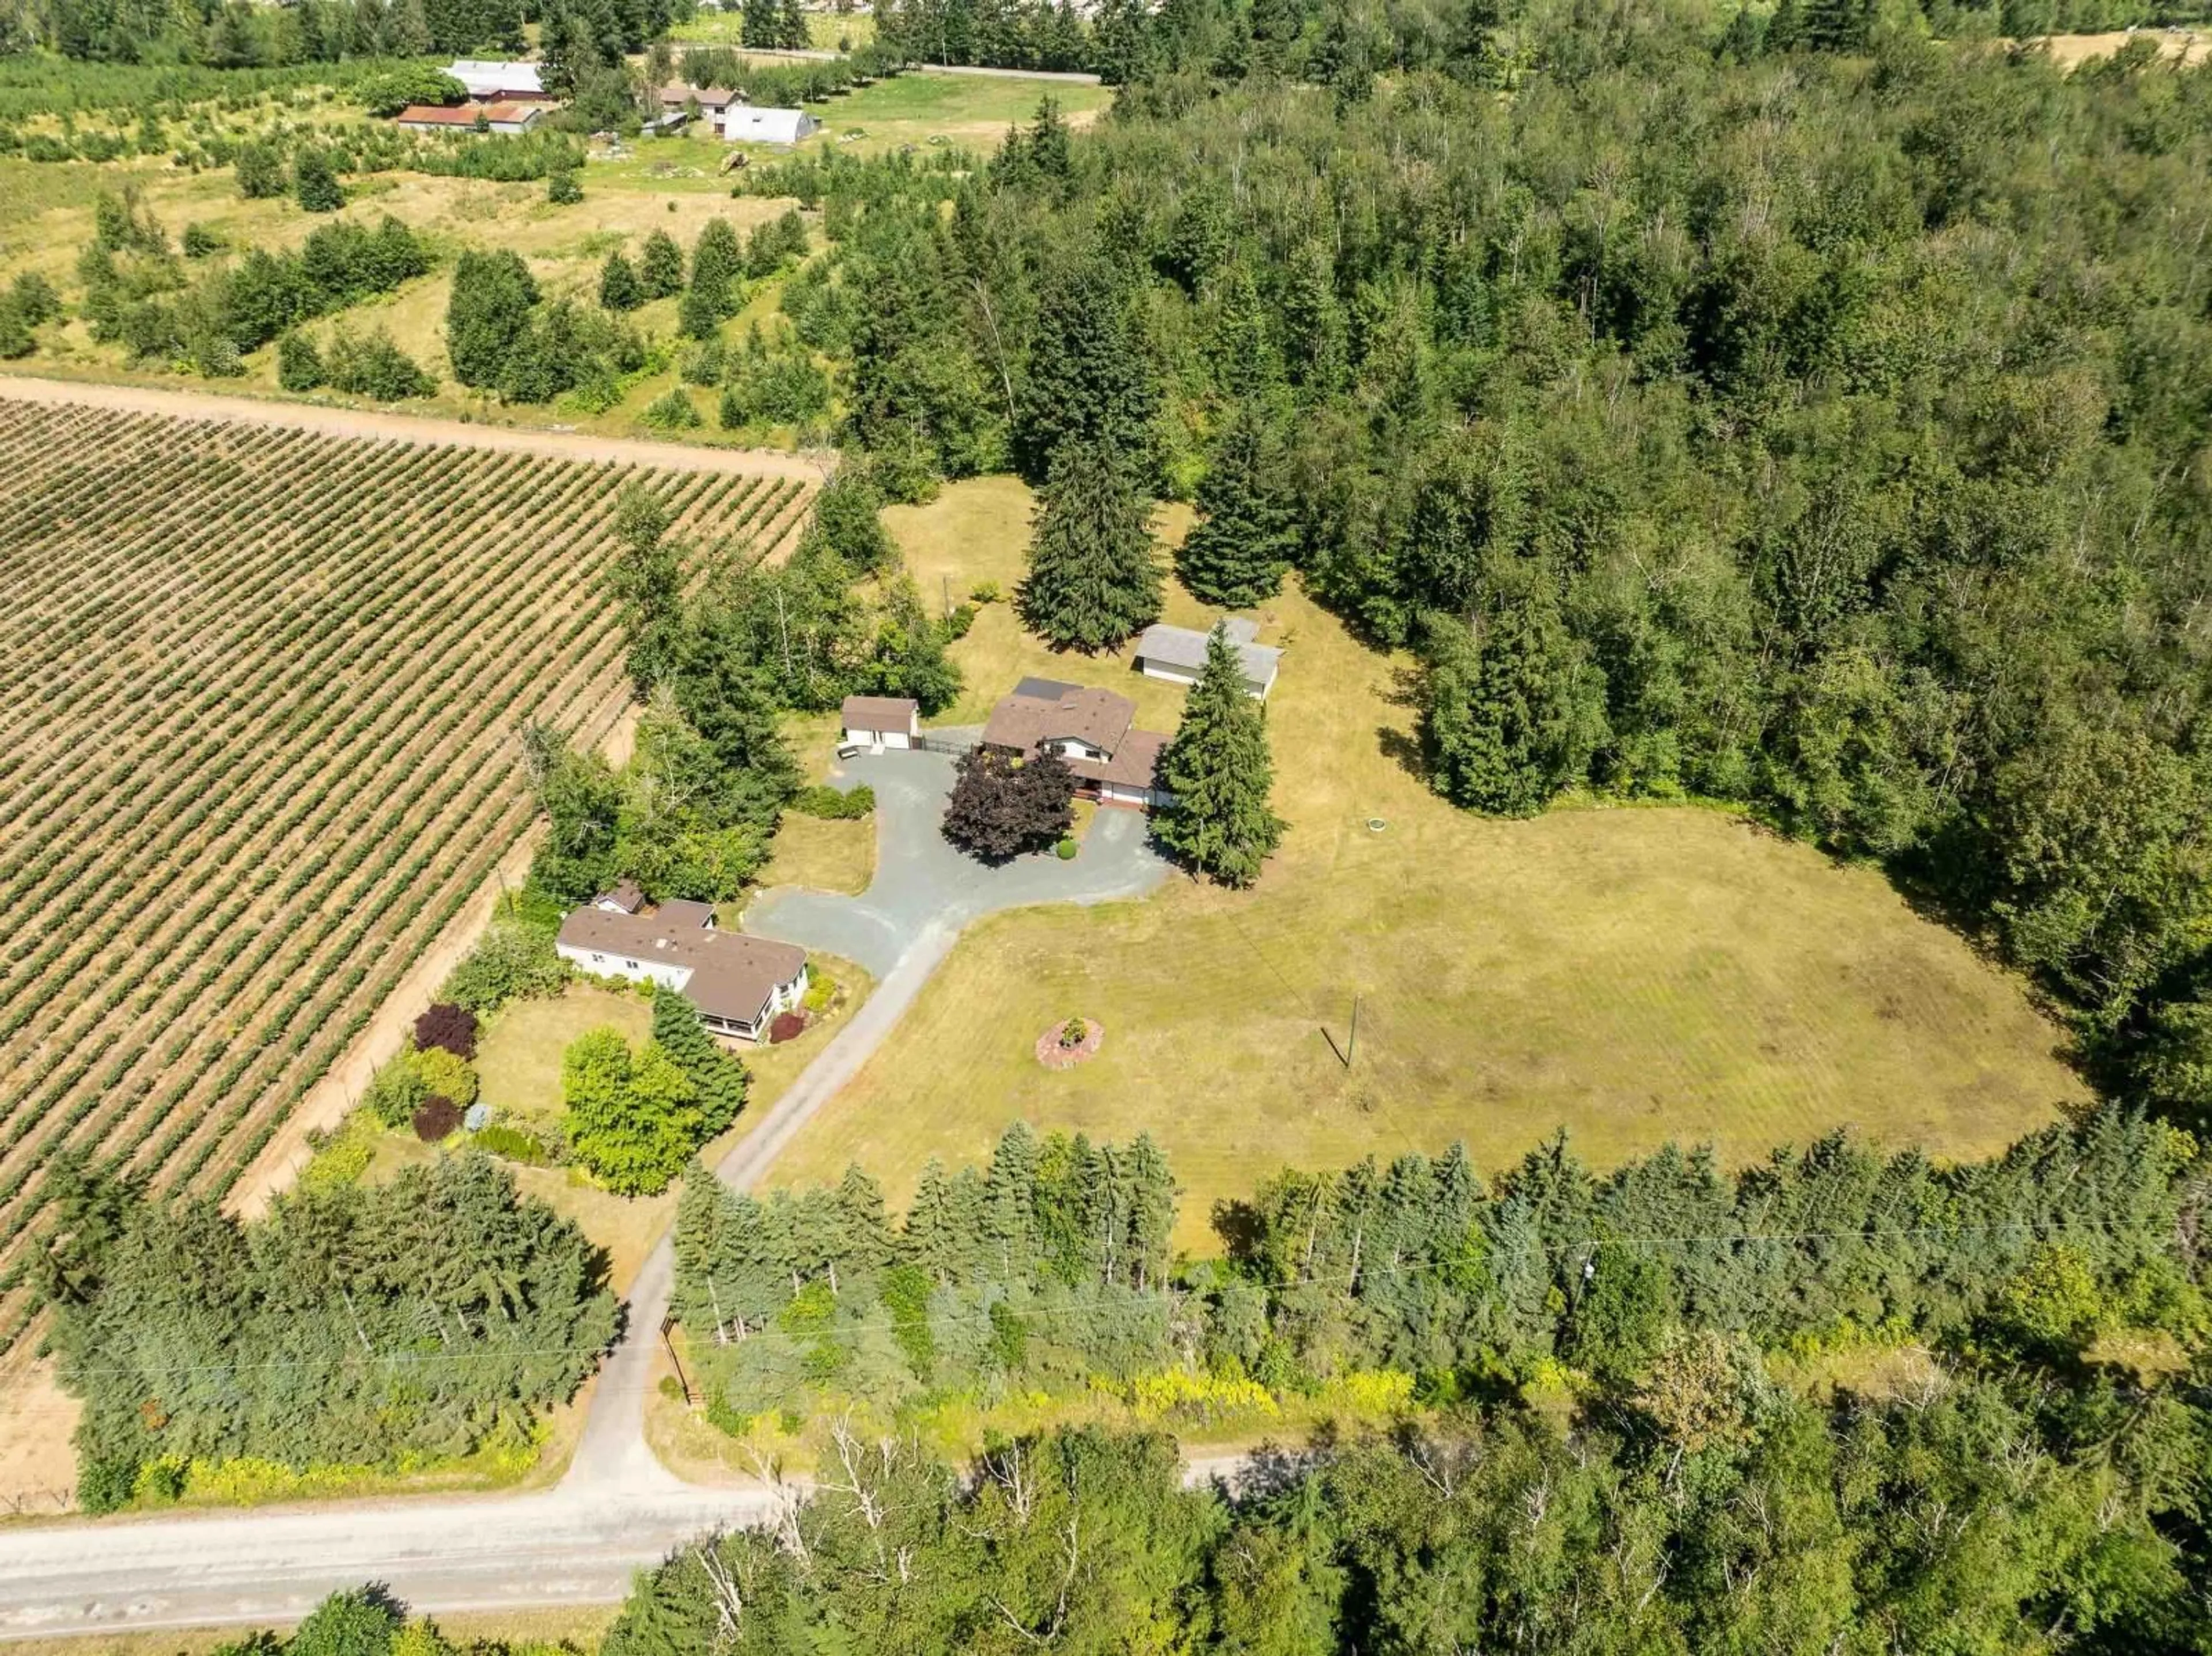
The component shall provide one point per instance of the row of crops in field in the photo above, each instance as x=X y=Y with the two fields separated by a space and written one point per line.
x=258 y=748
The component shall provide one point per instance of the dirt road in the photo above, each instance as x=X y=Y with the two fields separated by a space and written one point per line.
x=410 y=428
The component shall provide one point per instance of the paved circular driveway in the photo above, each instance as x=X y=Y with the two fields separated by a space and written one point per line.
x=922 y=885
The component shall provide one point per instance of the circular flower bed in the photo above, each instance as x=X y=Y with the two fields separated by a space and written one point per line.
x=1056 y=1052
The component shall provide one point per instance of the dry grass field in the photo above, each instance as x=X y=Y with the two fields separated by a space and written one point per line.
x=1633 y=975
x=258 y=750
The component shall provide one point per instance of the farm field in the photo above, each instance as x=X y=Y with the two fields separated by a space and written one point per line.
x=1633 y=975
x=258 y=750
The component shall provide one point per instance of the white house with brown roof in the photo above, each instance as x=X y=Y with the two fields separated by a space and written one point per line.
x=1093 y=731
x=739 y=983
x=882 y=721
x=500 y=116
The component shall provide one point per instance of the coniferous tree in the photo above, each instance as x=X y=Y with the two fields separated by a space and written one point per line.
x=660 y=266
x=315 y=182
x=646 y=575
x=487 y=314
x=718 y=1076
x=1219 y=770
x=718 y=263
x=619 y=287
x=1236 y=552
x=1088 y=379
x=1009 y=1213
x=1094 y=576
x=1510 y=715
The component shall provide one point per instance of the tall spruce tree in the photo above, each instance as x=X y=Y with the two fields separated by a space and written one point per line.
x=1089 y=376
x=660 y=266
x=1094 y=574
x=620 y=289
x=1511 y=714
x=1220 y=772
x=1237 y=551
x=718 y=1076
x=646 y=576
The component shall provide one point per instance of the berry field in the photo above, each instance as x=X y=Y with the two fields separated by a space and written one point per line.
x=257 y=749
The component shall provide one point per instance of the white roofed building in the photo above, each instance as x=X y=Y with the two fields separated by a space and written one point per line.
x=748 y=123
x=494 y=79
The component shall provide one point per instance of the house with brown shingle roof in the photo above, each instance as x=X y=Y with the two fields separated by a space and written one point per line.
x=711 y=100
x=739 y=983
x=508 y=118
x=1093 y=731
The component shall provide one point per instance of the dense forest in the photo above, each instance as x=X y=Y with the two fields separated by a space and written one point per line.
x=2024 y=1489
x=1823 y=433
x=380 y=1327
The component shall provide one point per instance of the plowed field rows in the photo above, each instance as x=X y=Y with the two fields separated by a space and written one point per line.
x=259 y=695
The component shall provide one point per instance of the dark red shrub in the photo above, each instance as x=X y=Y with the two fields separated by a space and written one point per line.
x=438 y=1117
x=786 y=1025
x=453 y=1027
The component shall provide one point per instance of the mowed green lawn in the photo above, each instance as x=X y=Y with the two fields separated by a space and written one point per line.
x=1633 y=975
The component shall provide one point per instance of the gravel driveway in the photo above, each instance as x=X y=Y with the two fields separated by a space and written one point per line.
x=923 y=884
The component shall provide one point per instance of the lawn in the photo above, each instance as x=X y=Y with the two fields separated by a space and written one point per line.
x=822 y=855
x=1633 y=975
x=519 y=1052
x=971 y=111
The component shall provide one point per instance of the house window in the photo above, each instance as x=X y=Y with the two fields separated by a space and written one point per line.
x=633 y=966
x=599 y=960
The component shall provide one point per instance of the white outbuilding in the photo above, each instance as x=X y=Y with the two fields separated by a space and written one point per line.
x=748 y=123
x=1178 y=653
x=883 y=721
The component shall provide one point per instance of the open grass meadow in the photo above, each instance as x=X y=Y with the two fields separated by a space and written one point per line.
x=1631 y=976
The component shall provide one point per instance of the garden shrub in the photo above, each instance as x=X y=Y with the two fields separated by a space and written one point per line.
x=444 y=1073
x=786 y=1025
x=514 y=961
x=396 y=1091
x=821 y=990
x=448 y=1025
x=1065 y=850
x=513 y=1143
x=824 y=801
x=672 y=410
x=437 y=1119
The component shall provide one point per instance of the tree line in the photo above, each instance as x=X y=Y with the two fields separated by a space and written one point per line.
x=421 y=1319
x=1688 y=468
x=1052 y=1264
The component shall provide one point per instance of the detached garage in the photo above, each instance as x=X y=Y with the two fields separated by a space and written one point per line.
x=883 y=721
x=1178 y=653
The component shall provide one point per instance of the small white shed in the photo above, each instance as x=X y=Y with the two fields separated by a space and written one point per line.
x=883 y=721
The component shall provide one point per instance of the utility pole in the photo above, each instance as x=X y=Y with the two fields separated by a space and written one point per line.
x=1351 y=1043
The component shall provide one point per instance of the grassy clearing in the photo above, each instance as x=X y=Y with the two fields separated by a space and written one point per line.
x=822 y=856
x=972 y=111
x=827 y=30
x=1631 y=975
x=519 y=1052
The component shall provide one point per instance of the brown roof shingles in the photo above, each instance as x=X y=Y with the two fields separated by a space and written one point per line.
x=733 y=975
x=879 y=712
x=1099 y=717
